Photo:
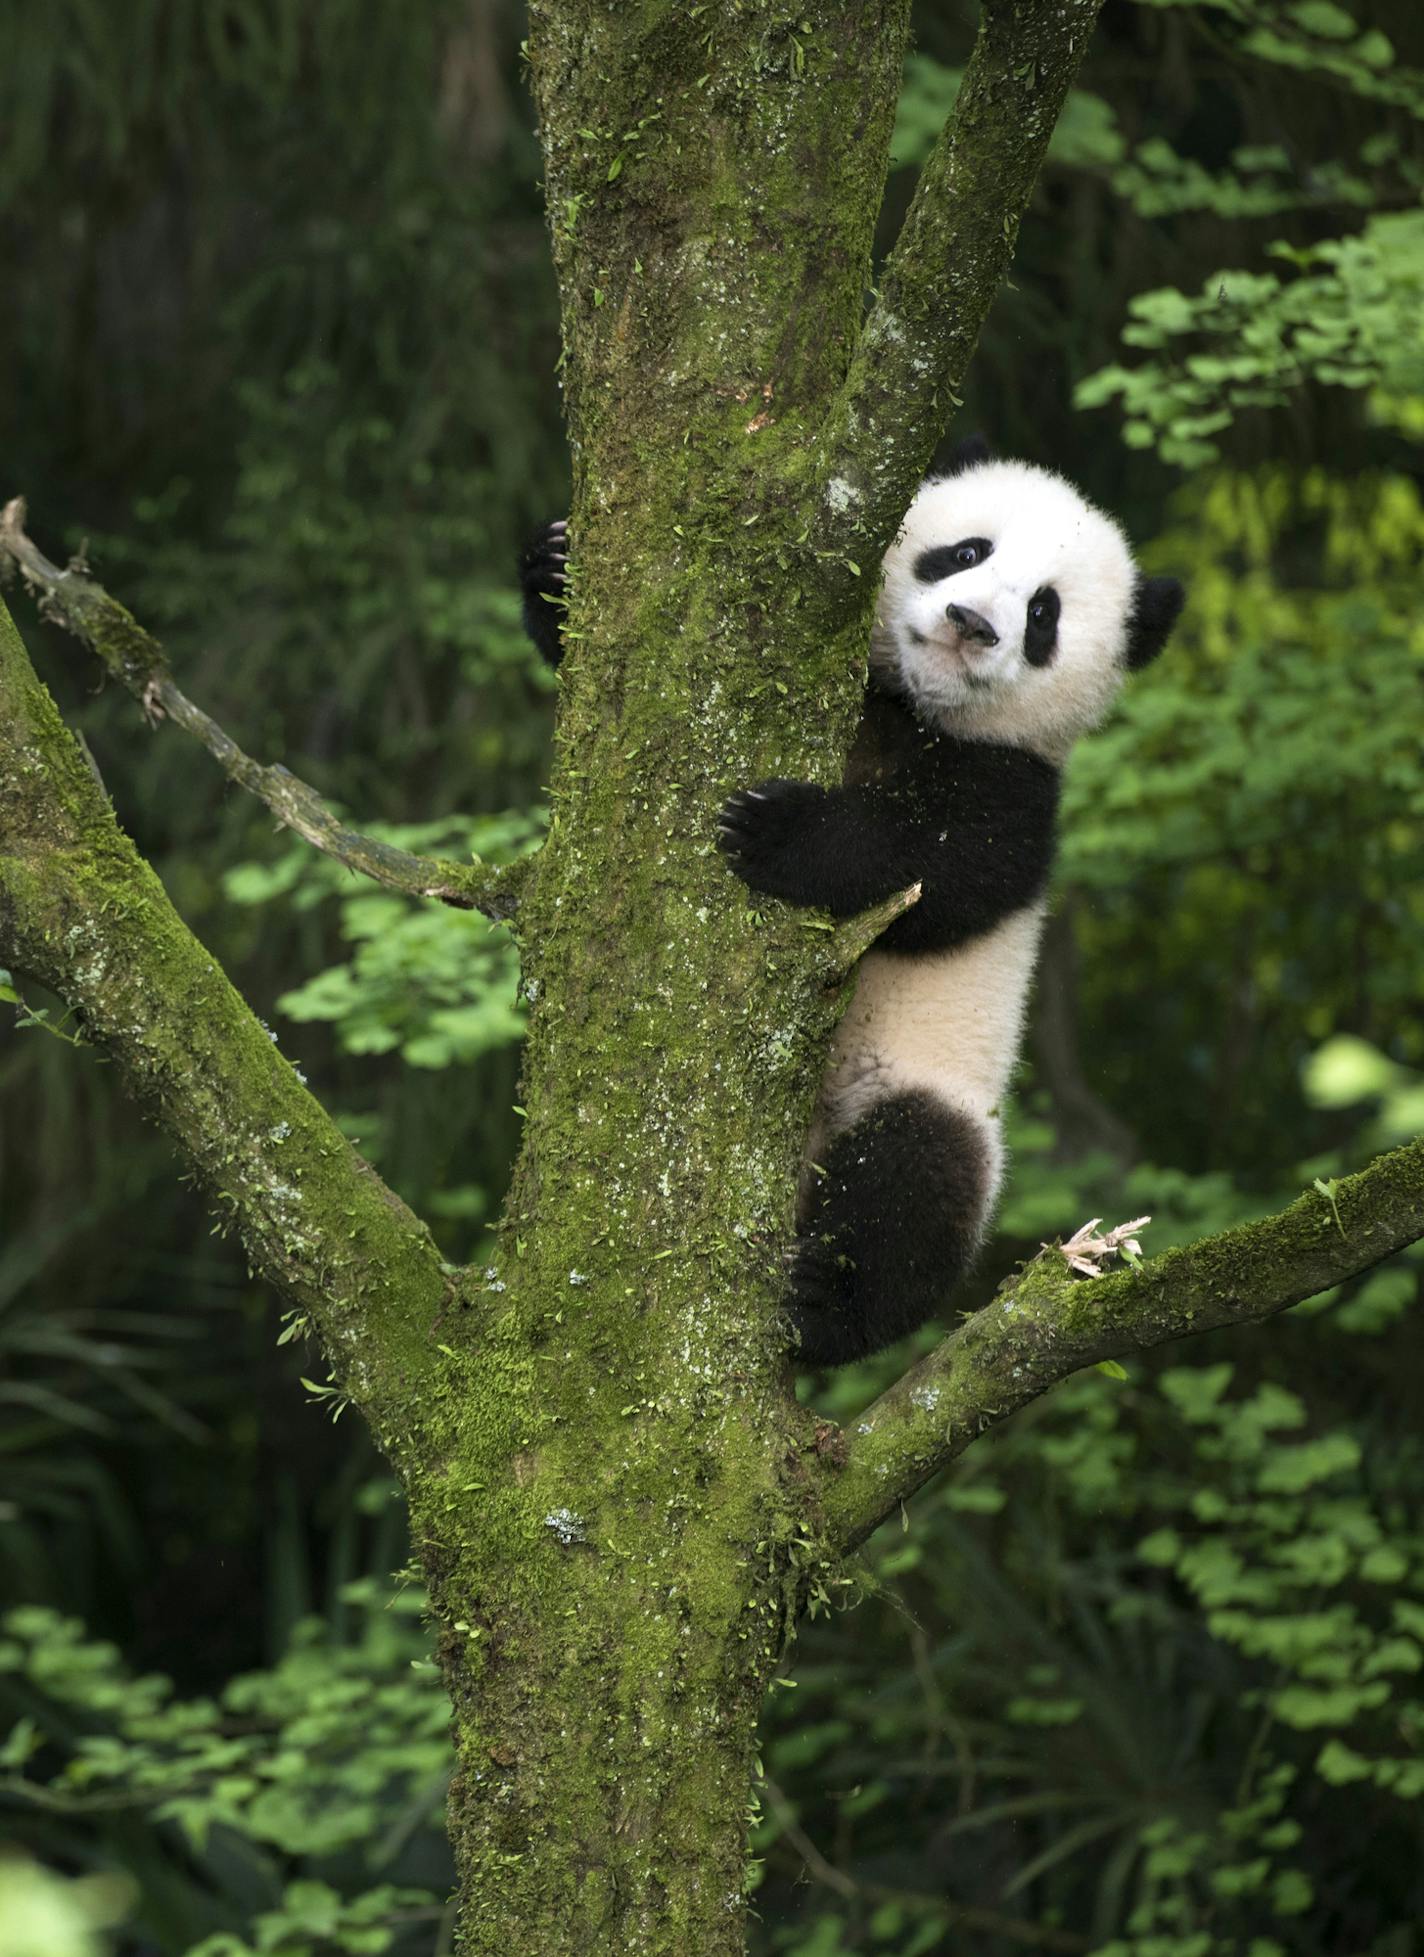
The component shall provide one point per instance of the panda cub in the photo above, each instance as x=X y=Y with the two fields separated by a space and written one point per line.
x=1009 y=611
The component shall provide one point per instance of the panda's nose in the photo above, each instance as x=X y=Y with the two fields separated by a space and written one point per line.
x=971 y=625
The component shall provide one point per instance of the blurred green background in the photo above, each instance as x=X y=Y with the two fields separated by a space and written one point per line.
x=279 y=344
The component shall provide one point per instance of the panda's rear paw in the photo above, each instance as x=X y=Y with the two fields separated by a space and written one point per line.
x=817 y=1297
x=543 y=580
x=825 y=1337
x=763 y=833
x=816 y=1275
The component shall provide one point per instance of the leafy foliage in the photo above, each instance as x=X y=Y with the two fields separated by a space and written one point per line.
x=437 y=985
x=1129 y=1671
x=1348 y=319
x=1317 y=35
x=335 y=1761
x=44 y=1915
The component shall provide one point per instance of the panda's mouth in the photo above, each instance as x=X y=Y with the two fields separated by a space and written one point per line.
x=982 y=682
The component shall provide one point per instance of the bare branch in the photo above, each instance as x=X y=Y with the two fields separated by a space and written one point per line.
x=964 y=1916
x=82 y=913
x=948 y=263
x=135 y=658
x=1044 y=1325
x=854 y=936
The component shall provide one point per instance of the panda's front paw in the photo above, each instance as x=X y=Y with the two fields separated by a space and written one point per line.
x=543 y=576
x=767 y=834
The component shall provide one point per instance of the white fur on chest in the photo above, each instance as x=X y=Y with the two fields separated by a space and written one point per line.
x=948 y=1021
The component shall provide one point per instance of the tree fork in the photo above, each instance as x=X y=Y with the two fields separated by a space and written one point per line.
x=647 y=1522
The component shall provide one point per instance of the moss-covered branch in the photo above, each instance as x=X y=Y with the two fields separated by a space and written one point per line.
x=83 y=914
x=1045 y=1325
x=132 y=656
x=948 y=263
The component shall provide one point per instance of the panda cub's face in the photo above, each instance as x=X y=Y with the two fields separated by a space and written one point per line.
x=1010 y=608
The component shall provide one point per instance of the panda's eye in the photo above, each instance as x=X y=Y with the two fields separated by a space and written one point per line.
x=945 y=559
x=1041 y=626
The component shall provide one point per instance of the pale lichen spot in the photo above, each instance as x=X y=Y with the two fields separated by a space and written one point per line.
x=841 y=495
x=568 y=1527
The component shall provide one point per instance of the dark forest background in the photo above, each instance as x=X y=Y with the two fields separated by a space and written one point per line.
x=279 y=350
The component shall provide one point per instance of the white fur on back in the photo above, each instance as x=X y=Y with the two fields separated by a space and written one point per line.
x=947 y=1021
x=1044 y=533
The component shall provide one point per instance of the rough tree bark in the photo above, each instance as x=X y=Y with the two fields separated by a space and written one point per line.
x=619 y=1506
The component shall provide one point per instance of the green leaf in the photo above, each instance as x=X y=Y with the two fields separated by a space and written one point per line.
x=1346 y=1070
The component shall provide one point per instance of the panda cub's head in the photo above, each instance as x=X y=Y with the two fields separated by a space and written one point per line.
x=1010 y=608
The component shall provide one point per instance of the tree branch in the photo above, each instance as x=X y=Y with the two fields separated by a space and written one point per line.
x=1082 y=1120
x=82 y=913
x=847 y=942
x=962 y=1916
x=940 y=280
x=132 y=656
x=1044 y=1325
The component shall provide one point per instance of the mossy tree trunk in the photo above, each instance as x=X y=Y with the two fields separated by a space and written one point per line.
x=619 y=1505
x=713 y=179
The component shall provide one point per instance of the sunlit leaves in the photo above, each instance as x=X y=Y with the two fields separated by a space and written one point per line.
x=1347 y=316
x=437 y=985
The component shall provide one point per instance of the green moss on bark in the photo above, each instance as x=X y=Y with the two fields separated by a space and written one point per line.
x=83 y=914
x=1045 y=1324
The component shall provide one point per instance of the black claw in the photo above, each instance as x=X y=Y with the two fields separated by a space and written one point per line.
x=543 y=579
x=763 y=831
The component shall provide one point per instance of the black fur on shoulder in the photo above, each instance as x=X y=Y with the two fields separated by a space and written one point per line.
x=543 y=574
x=893 y=1222
x=1156 y=606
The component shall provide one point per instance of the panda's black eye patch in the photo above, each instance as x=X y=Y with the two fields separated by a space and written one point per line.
x=1041 y=626
x=945 y=559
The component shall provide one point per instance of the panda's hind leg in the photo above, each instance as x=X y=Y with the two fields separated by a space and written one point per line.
x=896 y=1212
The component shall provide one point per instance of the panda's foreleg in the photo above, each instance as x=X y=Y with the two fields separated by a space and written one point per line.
x=543 y=581
x=896 y=1212
x=841 y=848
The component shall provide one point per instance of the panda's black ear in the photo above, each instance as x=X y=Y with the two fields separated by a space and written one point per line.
x=968 y=454
x=1156 y=606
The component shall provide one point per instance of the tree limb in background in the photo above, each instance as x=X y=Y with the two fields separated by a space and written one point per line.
x=942 y=276
x=1082 y=1121
x=961 y=1916
x=1045 y=1325
x=132 y=656
x=82 y=913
